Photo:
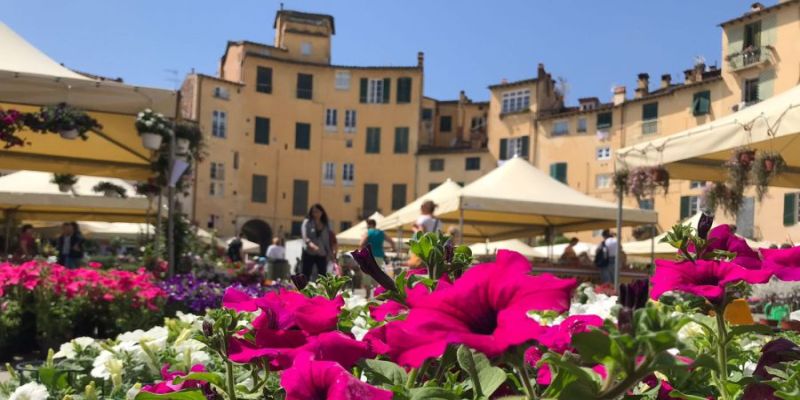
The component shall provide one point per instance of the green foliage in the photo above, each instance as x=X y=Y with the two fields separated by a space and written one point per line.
x=64 y=179
x=439 y=255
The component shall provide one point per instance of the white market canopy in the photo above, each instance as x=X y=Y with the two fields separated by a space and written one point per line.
x=518 y=200
x=490 y=248
x=558 y=249
x=103 y=230
x=352 y=236
x=29 y=195
x=698 y=153
x=405 y=217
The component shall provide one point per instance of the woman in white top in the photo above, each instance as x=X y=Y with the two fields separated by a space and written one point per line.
x=427 y=222
x=276 y=251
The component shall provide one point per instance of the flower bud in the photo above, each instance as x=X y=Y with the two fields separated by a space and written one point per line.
x=208 y=329
x=704 y=226
x=369 y=266
x=449 y=251
x=633 y=295
x=300 y=281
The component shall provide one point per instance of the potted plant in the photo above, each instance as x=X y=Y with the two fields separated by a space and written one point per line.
x=643 y=182
x=621 y=181
x=767 y=165
x=187 y=136
x=148 y=189
x=110 y=189
x=65 y=182
x=67 y=121
x=153 y=127
x=11 y=122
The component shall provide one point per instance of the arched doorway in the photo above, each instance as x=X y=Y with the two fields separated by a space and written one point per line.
x=258 y=231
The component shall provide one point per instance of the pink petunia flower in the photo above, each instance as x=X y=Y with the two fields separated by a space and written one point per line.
x=308 y=379
x=544 y=375
x=486 y=309
x=704 y=278
x=784 y=263
x=722 y=238
x=168 y=385
x=558 y=338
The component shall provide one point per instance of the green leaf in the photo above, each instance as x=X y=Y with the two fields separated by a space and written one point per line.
x=678 y=395
x=54 y=379
x=491 y=379
x=193 y=394
x=209 y=377
x=387 y=372
x=593 y=346
x=432 y=393
x=755 y=328
x=467 y=363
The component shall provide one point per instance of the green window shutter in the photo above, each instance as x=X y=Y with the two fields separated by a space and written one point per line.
x=685 y=207
x=789 y=209
x=503 y=149
x=701 y=103
x=387 y=90
x=300 y=198
x=362 y=90
x=302 y=136
x=305 y=86
x=604 y=120
x=258 y=193
x=262 y=130
x=445 y=123
x=263 y=80
x=373 y=140
x=766 y=84
x=735 y=39
x=370 y=199
x=650 y=111
x=526 y=142
x=401 y=140
x=403 y=90
x=398 y=196
x=558 y=171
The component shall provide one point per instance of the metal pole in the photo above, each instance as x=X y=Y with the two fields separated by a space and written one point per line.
x=7 y=214
x=171 y=209
x=159 y=221
x=618 y=258
x=652 y=245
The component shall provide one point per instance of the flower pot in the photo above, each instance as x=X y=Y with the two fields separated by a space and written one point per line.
x=747 y=157
x=151 y=141
x=110 y=193
x=70 y=134
x=64 y=187
x=790 y=325
x=182 y=145
x=769 y=165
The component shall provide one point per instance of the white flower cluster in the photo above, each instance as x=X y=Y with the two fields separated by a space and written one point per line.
x=597 y=303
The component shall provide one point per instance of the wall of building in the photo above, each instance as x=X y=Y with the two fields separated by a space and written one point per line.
x=454 y=167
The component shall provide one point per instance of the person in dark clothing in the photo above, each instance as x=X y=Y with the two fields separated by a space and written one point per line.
x=235 y=253
x=70 y=245
x=317 y=247
x=27 y=242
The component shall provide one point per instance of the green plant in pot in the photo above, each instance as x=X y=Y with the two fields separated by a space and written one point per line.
x=68 y=121
x=187 y=137
x=153 y=127
x=767 y=165
x=110 y=189
x=65 y=182
x=148 y=189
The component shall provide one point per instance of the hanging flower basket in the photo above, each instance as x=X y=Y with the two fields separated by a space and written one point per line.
x=69 y=134
x=67 y=121
x=767 y=165
x=11 y=122
x=644 y=182
x=65 y=182
x=110 y=190
x=153 y=127
x=150 y=140
x=182 y=145
x=187 y=137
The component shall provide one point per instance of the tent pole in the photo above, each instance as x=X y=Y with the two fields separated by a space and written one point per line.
x=171 y=209
x=157 y=230
x=618 y=258
x=7 y=215
x=460 y=225
x=652 y=245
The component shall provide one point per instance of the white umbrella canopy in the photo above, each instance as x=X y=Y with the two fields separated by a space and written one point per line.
x=405 y=217
x=490 y=248
x=558 y=249
x=352 y=236
x=699 y=153
x=518 y=200
x=99 y=230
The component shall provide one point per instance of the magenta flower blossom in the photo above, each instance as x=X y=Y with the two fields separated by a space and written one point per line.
x=723 y=238
x=705 y=278
x=784 y=263
x=167 y=385
x=558 y=338
x=337 y=347
x=308 y=379
x=486 y=309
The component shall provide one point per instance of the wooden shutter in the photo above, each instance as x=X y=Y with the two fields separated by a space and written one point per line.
x=362 y=90
x=789 y=209
x=300 y=197
x=403 y=90
x=302 y=136
x=264 y=80
x=685 y=201
x=373 y=140
x=503 y=149
x=262 y=130
x=650 y=111
x=258 y=193
x=701 y=103
x=558 y=171
x=604 y=120
x=387 y=90
x=525 y=147
x=398 y=196
x=401 y=140
x=370 y=199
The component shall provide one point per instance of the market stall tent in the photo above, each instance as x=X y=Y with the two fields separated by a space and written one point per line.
x=30 y=79
x=518 y=200
x=558 y=249
x=405 y=217
x=351 y=238
x=699 y=153
x=101 y=230
x=490 y=248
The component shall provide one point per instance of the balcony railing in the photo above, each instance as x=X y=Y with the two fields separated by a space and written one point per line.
x=748 y=57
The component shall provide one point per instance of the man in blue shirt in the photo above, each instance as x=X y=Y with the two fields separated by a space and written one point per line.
x=375 y=238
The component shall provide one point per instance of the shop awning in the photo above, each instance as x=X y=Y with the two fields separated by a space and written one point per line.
x=405 y=217
x=351 y=238
x=699 y=153
x=490 y=248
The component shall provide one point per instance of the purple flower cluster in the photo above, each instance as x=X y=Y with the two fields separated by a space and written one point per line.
x=196 y=294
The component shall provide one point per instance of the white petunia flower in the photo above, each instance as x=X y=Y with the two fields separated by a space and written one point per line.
x=133 y=391
x=105 y=364
x=30 y=391
x=71 y=349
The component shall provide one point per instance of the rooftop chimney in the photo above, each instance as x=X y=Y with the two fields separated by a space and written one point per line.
x=642 y=85
x=540 y=72
x=666 y=80
x=619 y=95
x=756 y=7
x=420 y=59
x=688 y=76
x=588 y=103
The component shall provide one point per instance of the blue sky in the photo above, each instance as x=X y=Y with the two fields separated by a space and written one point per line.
x=468 y=44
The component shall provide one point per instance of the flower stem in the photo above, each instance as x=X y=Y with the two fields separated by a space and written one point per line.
x=444 y=362
x=412 y=377
x=623 y=386
x=525 y=378
x=722 y=353
x=229 y=381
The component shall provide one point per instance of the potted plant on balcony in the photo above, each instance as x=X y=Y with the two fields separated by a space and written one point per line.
x=187 y=136
x=67 y=121
x=148 y=189
x=110 y=189
x=153 y=127
x=65 y=182
x=11 y=122
x=767 y=165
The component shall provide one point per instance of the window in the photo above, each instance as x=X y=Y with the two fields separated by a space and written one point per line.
x=300 y=197
x=403 y=90
x=330 y=120
x=329 y=173
x=603 y=153
x=472 y=164
x=373 y=140
x=305 y=48
x=342 y=80
x=604 y=120
x=370 y=199
x=348 y=143
x=214 y=221
x=478 y=123
x=348 y=174
x=558 y=171
x=433 y=185
x=347 y=198
x=400 y=140
x=235 y=160
x=647 y=204
x=221 y=93
x=305 y=86
x=427 y=114
x=649 y=118
x=375 y=91
x=560 y=128
x=517 y=100
x=262 y=130
x=752 y=35
x=398 y=196
x=514 y=147
x=259 y=189
x=344 y=225
x=445 y=123
x=263 y=80
x=791 y=209
x=689 y=206
x=701 y=103
x=436 y=164
x=350 y=121
x=602 y=181
x=219 y=123
x=297 y=228
x=697 y=184
x=217 y=175
x=581 y=125
x=302 y=136
x=751 y=91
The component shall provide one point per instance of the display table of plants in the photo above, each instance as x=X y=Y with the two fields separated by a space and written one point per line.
x=456 y=331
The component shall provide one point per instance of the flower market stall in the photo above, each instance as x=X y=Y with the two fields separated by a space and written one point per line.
x=351 y=238
x=491 y=248
x=404 y=218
